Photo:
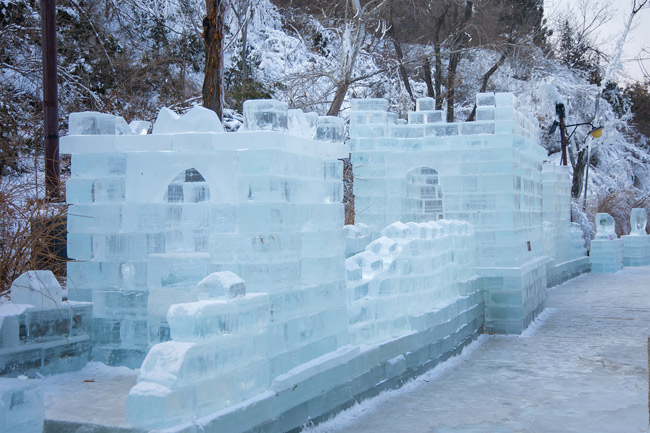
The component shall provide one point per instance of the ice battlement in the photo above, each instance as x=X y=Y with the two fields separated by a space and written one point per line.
x=496 y=114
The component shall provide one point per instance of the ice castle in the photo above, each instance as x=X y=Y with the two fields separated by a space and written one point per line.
x=216 y=262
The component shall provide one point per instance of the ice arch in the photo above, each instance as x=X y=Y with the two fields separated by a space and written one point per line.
x=423 y=195
x=188 y=187
x=188 y=213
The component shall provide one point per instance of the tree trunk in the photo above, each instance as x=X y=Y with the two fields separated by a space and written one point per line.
x=578 y=173
x=400 y=60
x=339 y=97
x=213 y=34
x=451 y=84
x=486 y=79
x=426 y=67
x=244 y=42
x=438 y=74
x=355 y=39
x=460 y=40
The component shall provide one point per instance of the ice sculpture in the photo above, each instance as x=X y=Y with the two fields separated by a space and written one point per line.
x=638 y=222
x=605 y=226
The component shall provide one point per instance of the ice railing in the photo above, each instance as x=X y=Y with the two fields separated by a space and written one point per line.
x=411 y=269
x=220 y=348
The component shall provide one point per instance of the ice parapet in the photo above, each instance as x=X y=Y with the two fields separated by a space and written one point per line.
x=218 y=357
x=638 y=222
x=605 y=226
x=406 y=272
x=95 y=123
x=37 y=288
x=265 y=115
x=198 y=119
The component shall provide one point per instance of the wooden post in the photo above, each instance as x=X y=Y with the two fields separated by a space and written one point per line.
x=50 y=99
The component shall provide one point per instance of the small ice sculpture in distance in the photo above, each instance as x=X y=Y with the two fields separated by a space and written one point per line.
x=638 y=221
x=265 y=115
x=605 y=226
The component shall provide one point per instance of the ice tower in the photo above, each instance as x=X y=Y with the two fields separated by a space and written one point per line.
x=153 y=215
x=487 y=172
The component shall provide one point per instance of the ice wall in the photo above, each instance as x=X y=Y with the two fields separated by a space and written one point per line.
x=21 y=405
x=487 y=172
x=412 y=298
x=563 y=240
x=411 y=269
x=39 y=332
x=218 y=357
x=152 y=215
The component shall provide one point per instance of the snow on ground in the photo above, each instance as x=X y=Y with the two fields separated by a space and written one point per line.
x=582 y=366
x=97 y=392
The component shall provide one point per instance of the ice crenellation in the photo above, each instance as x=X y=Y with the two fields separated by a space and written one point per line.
x=220 y=265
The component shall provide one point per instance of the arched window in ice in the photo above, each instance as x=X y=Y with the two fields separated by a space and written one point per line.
x=188 y=213
x=423 y=195
x=188 y=187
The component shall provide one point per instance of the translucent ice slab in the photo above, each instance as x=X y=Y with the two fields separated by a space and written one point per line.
x=331 y=129
x=38 y=288
x=21 y=406
x=198 y=119
x=265 y=115
x=95 y=123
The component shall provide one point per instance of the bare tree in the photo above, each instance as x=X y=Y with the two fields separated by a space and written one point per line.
x=213 y=36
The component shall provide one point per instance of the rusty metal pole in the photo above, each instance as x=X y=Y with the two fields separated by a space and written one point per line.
x=50 y=99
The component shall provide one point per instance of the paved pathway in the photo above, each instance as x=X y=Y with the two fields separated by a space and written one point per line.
x=581 y=368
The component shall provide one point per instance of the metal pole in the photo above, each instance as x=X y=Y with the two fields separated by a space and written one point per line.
x=584 y=203
x=50 y=99
x=561 y=112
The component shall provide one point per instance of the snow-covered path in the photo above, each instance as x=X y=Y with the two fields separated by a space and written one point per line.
x=581 y=367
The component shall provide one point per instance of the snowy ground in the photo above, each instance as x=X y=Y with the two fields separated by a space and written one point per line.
x=581 y=367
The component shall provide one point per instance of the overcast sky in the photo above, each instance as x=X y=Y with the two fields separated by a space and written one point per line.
x=608 y=35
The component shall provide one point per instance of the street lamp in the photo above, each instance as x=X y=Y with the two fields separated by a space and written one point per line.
x=596 y=131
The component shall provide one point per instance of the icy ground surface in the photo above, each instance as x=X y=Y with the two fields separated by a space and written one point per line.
x=581 y=367
x=95 y=394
